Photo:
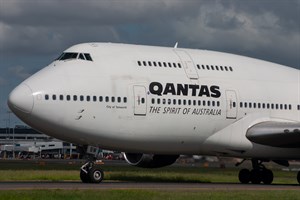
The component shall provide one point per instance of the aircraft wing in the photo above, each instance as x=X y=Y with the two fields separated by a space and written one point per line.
x=276 y=134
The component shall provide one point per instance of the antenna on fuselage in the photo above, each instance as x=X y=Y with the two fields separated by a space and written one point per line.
x=176 y=44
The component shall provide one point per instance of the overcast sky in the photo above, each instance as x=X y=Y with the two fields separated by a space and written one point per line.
x=34 y=32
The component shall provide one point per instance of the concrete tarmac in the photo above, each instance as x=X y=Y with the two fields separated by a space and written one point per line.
x=106 y=185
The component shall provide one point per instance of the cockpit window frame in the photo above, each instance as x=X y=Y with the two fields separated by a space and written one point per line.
x=75 y=55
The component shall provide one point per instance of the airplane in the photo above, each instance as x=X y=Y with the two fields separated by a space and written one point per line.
x=156 y=103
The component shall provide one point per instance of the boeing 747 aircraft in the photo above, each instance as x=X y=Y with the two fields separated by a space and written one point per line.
x=156 y=103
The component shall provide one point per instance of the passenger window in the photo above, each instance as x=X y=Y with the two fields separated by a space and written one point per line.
x=158 y=101
x=169 y=64
x=149 y=63
x=61 y=97
x=119 y=99
x=81 y=98
x=165 y=64
x=139 y=63
x=74 y=98
x=46 y=97
x=100 y=98
x=213 y=103
x=88 y=98
x=221 y=68
x=241 y=104
x=153 y=101
x=53 y=97
x=184 y=102
x=194 y=102
x=169 y=101
x=217 y=68
x=179 y=101
x=154 y=63
x=68 y=97
x=174 y=101
x=230 y=68
x=207 y=67
x=144 y=62
x=179 y=65
x=218 y=103
x=199 y=102
x=198 y=66
x=174 y=65
x=203 y=103
x=106 y=99
x=159 y=64
x=226 y=69
x=125 y=99
x=113 y=99
x=164 y=101
x=203 y=67
x=212 y=67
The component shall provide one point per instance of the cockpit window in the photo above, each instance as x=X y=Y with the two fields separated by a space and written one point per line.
x=67 y=56
x=73 y=55
x=81 y=56
x=88 y=57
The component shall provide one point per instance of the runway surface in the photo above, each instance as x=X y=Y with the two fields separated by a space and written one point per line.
x=133 y=185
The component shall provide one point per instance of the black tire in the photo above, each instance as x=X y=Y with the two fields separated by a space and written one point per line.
x=255 y=176
x=298 y=177
x=96 y=175
x=267 y=176
x=85 y=178
x=244 y=176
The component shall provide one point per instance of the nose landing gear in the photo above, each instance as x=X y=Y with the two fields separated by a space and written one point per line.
x=91 y=173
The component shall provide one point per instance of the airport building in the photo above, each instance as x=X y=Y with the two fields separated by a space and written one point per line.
x=25 y=142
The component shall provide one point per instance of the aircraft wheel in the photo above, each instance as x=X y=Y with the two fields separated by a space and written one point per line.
x=85 y=178
x=96 y=175
x=267 y=176
x=244 y=176
x=255 y=176
x=298 y=177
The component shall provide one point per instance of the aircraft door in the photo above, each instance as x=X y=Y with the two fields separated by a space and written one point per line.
x=140 y=100
x=231 y=104
x=188 y=64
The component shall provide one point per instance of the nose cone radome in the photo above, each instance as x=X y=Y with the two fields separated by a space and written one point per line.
x=21 y=99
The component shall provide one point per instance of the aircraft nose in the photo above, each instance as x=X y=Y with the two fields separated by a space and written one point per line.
x=21 y=99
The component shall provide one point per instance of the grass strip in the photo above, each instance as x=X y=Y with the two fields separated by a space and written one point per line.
x=146 y=194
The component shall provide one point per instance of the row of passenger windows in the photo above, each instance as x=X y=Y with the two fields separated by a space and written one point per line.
x=215 y=67
x=86 y=98
x=158 y=64
x=178 y=65
x=185 y=102
x=266 y=106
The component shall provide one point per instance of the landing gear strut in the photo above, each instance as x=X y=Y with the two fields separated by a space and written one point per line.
x=91 y=173
x=258 y=174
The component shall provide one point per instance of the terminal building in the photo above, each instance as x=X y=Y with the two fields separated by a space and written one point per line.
x=25 y=142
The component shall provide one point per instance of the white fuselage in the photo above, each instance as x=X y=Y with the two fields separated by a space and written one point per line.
x=203 y=102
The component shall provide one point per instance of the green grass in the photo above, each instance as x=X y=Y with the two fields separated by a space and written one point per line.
x=146 y=194
x=128 y=173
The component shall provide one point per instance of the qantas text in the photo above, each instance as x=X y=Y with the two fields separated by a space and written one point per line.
x=184 y=89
